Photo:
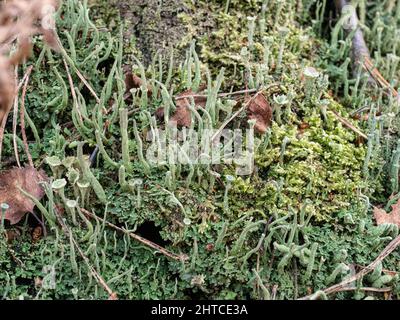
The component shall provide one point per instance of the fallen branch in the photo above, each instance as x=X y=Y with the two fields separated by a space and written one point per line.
x=344 y=284
x=146 y=242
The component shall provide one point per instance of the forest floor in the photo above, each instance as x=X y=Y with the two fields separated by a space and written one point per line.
x=307 y=199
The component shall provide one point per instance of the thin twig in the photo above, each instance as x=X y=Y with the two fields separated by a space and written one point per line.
x=379 y=79
x=346 y=123
x=15 y=121
x=22 y=116
x=2 y=129
x=146 y=242
x=386 y=271
x=244 y=107
x=71 y=86
x=4 y=120
x=344 y=284
x=41 y=222
x=95 y=274
x=386 y=289
x=220 y=95
x=78 y=73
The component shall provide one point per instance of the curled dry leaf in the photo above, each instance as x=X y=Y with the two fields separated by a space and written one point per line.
x=37 y=234
x=132 y=81
x=382 y=217
x=182 y=116
x=27 y=179
x=260 y=110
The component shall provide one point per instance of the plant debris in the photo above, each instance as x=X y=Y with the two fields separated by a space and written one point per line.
x=260 y=110
x=18 y=23
x=182 y=116
x=28 y=179
x=382 y=217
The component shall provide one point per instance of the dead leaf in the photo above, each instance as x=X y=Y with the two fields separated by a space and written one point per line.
x=132 y=81
x=27 y=179
x=382 y=217
x=260 y=110
x=182 y=116
x=37 y=234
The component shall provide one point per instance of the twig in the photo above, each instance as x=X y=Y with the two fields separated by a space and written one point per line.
x=22 y=116
x=95 y=274
x=221 y=95
x=360 y=52
x=78 y=73
x=41 y=222
x=2 y=129
x=386 y=271
x=386 y=289
x=344 y=284
x=379 y=79
x=244 y=107
x=146 y=242
x=359 y=48
x=15 y=120
x=4 y=119
x=346 y=123
x=71 y=86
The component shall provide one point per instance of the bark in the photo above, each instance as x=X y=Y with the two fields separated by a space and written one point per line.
x=155 y=25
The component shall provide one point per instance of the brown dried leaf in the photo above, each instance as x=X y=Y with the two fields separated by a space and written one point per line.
x=37 y=234
x=27 y=179
x=132 y=81
x=182 y=116
x=260 y=110
x=382 y=217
